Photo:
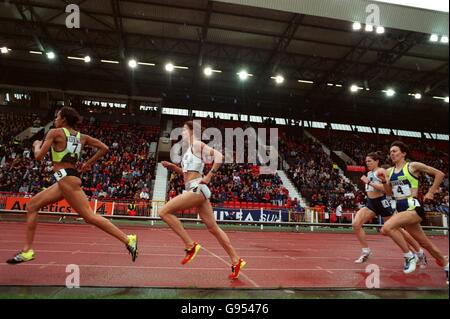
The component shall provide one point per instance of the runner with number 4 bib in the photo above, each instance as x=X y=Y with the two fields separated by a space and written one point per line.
x=402 y=182
x=377 y=205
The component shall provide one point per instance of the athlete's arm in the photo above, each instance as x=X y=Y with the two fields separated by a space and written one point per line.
x=379 y=187
x=172 y=167
x=41 y=148
x=208 y=151
x=417 y=167
x=102 y=149
x=382 y=174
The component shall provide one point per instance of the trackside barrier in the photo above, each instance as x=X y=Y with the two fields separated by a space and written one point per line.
x=308 y=217
x=99 y=206
x=235 y=222
x=445 y=223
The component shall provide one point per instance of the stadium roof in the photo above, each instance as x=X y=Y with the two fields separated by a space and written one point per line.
x=229 y=37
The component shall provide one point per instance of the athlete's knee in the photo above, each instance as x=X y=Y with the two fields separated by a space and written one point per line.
x=163 y=212
x=386 y=230
x=356 y=225
x=32 y=207
x=213 y=228
x=92 y=219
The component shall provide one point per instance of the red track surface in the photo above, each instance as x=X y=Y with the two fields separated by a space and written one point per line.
x=296 y=260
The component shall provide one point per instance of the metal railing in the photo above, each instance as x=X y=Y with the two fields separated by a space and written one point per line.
x=312 y=224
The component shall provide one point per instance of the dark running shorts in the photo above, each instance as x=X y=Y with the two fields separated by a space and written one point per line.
x=410 y=204
x=380 y=206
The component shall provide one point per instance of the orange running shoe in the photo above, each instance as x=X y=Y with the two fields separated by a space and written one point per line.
x=191 y=253
x=236 y=269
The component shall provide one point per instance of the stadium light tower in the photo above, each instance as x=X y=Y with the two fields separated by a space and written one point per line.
x=434 y=38
x=243 y=75
x=132 y=63
x=51 y=55
x=169 y=67
x=208 y=71
x=279 y=79
x=356 y=26
x=390 y=92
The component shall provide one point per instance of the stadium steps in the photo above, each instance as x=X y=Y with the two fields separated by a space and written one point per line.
x=328 y=152
x=160 y=186
x=293 y=192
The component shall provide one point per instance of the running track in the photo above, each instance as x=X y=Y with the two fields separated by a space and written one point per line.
x=275 y=260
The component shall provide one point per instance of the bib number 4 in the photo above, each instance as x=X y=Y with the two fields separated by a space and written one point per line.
x=402 y=190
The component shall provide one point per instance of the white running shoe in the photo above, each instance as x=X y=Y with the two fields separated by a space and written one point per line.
x=363 y=258
x=423 y=261
x=446 y=272
x=410 y=264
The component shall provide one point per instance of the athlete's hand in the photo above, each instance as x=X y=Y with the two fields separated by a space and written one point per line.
x=364 y=179
x=37 y=143
x=381 y=176
x=428 y=196
x=166 y=164
x=206 y=179
x=86 y=167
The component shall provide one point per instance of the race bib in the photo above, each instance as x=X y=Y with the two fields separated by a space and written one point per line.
x=401 y=190
x=59 y=175
x=413 y=202
x=386 y=203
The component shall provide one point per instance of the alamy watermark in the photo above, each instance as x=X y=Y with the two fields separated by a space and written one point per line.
x=73 y=18
x=234 y=145
x=73 y=279
x=373 y=18
x=373 y=279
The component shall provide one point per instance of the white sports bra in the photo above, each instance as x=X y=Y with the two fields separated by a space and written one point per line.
x=374 y=179
x=191 y=162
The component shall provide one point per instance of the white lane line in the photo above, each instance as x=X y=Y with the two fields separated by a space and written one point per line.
x=180 y=255
x=49 y=264
x=201 y=268
x=328 y=271
x=226 y=263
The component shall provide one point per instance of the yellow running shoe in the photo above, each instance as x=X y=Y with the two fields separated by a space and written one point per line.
x=22 y=257
x=132 y=246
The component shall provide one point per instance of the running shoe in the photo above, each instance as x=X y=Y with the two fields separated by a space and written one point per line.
x=423 y=261
x=363 y=258
x=446 y=272
x=132 y=246
x=236 y=269
x=410 y=264
x=191 y=253
x=21 y=257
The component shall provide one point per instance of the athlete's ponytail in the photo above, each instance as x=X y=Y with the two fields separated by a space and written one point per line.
x=195 y=127
x=70 y=115
x=377 y=156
